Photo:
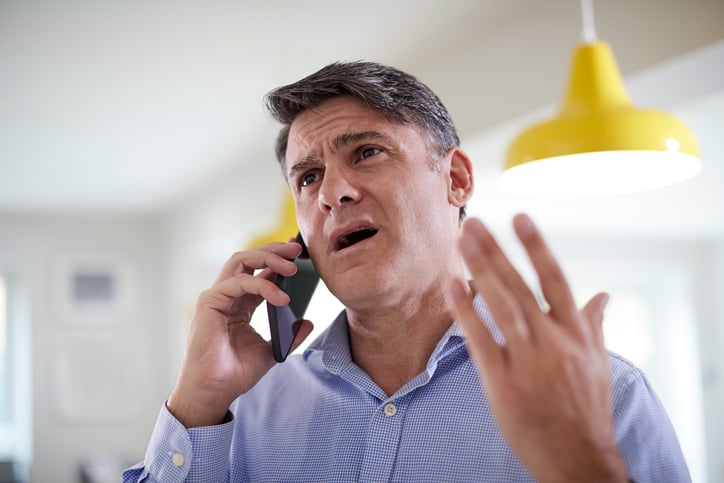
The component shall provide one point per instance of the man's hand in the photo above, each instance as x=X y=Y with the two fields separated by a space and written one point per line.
x=549 y=384
x=225 y=356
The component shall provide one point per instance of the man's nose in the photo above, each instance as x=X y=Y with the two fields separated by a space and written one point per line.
x=337 y=189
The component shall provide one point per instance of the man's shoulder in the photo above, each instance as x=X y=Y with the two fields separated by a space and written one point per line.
x=623 y=371
x=630 y=386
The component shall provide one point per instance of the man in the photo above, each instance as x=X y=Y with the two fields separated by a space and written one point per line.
x=391 y=391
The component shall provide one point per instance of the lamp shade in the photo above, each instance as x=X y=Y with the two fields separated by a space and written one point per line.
x=286 y=227
x=599 y=144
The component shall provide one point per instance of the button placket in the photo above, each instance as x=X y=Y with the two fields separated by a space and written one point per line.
x=382 y=442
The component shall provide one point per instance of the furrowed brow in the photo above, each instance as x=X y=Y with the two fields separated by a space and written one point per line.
x=303 y=164
x=348 y=138
x=344 y=139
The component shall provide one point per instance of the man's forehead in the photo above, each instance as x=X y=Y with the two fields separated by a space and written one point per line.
x=337 y=122
x=335 y=113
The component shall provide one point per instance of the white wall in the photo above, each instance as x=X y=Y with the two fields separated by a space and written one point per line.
x=127 y=352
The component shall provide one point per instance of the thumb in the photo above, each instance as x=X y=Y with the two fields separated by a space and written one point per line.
x=593 y=310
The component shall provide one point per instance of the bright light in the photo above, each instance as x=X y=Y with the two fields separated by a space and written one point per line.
x=672 y=145
x=597 y=174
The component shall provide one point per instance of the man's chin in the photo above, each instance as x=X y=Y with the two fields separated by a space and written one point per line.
x=355 y=289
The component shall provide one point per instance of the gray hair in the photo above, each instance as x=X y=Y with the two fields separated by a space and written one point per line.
x=395 y=94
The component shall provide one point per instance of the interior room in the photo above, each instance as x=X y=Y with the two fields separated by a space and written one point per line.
x=136 y=156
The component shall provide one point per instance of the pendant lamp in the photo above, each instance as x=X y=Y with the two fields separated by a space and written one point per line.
x=599 y=144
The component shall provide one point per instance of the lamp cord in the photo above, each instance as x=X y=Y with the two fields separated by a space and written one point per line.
x=589 y=27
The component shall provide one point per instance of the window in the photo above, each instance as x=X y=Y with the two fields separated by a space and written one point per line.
x=6 y=380
x=15 y=373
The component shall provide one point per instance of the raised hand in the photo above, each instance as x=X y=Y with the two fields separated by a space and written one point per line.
x=549 y=383
x=225 y=356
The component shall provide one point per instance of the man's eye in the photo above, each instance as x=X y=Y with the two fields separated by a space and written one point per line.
x=309 y=178
x=369 y=151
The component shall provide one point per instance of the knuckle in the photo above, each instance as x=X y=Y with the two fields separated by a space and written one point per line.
x=206 y=295
x=238 y=255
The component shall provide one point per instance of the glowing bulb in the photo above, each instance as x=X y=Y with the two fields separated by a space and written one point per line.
x=605 y=173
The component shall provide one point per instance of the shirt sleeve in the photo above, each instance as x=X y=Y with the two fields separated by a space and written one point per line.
x=644 y=432
x=177 y=454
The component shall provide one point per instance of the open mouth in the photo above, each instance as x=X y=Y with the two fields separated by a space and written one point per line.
x=354 y=237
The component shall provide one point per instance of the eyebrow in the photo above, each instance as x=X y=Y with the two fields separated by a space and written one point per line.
x=339 y=141
x=303 y=164
x=348 y=138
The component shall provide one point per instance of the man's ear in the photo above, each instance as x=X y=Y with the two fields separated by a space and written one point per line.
x=461 y=178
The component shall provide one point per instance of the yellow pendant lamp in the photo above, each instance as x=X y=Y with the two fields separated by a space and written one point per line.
x=286 y=227
x=599 y=144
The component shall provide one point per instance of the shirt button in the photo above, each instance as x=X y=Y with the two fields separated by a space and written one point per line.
x=178 y=459
x=390 y=410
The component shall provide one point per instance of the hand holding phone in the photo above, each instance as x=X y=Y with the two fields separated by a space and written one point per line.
x=225 y=356
x=300 y=287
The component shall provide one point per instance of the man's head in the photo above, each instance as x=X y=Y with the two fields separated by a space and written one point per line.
x=378 y=180
x=398 y=96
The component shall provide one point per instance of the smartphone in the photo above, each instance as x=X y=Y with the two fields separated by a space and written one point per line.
x=299 y=287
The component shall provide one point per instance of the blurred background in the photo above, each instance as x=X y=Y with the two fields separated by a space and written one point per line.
x=135 y=157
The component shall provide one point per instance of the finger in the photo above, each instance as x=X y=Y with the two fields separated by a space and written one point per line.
x=488 y=282
x=267 y=274
x=509 y=275
x=249 y=301
x=487 y=354
x=553 y=282
x=593 y=313
x=268 y=255
x=246 y=339
x=221 y=296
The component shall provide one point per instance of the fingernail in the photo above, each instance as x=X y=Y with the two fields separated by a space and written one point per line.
x=523 y=225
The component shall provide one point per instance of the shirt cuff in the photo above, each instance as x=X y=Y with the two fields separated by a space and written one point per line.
x=197 y=454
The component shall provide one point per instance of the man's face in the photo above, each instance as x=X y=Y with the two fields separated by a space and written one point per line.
x=372 y=205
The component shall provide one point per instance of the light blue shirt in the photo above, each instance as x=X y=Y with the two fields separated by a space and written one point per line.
x=318 y=417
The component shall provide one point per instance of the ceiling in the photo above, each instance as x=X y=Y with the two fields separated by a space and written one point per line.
x=132 y=107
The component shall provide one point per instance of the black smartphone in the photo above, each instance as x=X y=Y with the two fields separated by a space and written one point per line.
x=299 y=287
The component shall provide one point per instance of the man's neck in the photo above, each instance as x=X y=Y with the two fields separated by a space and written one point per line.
x=394 y=345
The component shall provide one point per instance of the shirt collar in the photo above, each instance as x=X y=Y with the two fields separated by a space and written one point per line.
x=333 y=343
